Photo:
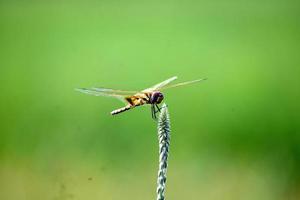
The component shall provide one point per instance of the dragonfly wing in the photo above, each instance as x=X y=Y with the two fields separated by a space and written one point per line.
x=160 y=85
x=182 y=84
x=113 y=91
x=119 y=94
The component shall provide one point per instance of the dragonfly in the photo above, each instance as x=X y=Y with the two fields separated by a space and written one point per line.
x=152 y=95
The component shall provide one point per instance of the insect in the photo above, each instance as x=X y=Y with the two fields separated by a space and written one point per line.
x=132 y=99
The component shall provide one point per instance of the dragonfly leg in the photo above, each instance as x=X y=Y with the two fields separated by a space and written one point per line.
x=153 y=111
x=158 y=109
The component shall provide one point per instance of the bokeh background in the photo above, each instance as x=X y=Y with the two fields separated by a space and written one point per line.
x=235 y=136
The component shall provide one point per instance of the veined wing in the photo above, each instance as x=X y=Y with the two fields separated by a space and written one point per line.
x=183 y=83
x=160 y=85
x=119 y=94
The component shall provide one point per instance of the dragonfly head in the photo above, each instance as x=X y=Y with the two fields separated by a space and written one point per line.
x=156 y=97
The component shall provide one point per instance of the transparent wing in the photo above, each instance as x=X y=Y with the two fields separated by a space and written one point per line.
x=161 y=85
x=119 y=94
x=183 y=83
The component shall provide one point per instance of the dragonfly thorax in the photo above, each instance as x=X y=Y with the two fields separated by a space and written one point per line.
x=156 y=97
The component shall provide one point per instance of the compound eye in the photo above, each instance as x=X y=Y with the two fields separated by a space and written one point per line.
x=154 y=97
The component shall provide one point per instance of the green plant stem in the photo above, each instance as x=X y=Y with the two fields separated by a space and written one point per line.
x=164 y=143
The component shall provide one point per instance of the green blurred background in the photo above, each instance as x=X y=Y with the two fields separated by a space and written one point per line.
x=235 y=136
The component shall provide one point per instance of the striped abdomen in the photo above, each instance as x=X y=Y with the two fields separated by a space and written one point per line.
x=120 y=110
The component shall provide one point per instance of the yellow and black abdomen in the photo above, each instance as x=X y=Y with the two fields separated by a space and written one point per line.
x=120 y=110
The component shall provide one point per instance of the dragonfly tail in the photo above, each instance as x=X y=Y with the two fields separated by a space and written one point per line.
x=120 y=110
